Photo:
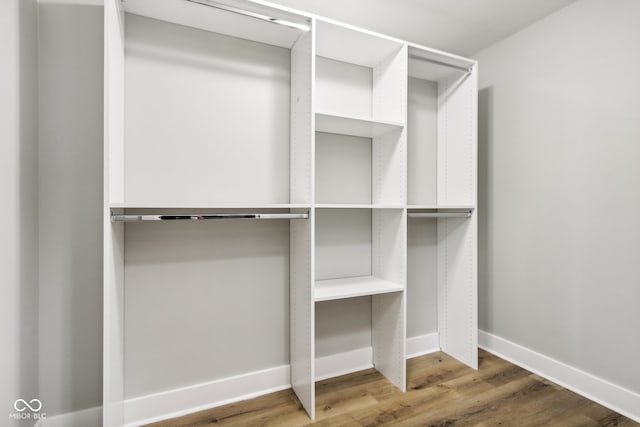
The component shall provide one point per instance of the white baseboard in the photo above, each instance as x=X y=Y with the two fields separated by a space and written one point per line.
x=344 y=363
x=619 y=399
x=186 y=400
x=91 y=417
x=362 y=358
x=423 y=344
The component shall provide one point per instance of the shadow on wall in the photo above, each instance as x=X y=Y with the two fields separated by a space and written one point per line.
x=485 y=147
x=70 y=102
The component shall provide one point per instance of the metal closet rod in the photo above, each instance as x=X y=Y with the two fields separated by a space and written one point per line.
x=250 y=14
x=444 y=64
x=465 y=214
x=197 y=217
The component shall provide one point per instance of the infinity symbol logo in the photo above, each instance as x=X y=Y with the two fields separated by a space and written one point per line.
x=21 y=405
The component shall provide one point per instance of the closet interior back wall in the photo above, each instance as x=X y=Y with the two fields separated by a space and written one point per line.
x=207 y=116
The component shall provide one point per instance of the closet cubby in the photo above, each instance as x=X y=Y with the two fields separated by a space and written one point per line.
x=358 y=252
x=360 y=116
x=264 y=166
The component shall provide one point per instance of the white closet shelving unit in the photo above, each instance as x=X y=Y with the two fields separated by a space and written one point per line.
x=270 y=115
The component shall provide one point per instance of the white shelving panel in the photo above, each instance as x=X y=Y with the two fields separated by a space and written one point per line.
x=353 y=128
x=302 y=247
x=350 y=287
x=153 y=205
x=353 y=45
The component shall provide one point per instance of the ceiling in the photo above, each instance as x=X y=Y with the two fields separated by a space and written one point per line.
x=458 y=26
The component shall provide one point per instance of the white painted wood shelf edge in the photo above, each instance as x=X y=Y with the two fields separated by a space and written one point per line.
x=351 y=287
x=355 y=206
x=469 y=207
x=355 y=126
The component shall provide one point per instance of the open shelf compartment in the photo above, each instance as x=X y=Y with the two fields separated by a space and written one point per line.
x=359 y=252
x=441 y=130
x=184 y=79
x=359 y=75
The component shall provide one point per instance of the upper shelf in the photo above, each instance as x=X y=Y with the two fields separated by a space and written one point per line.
x=434 y=66
x=440 y=207
x=147 y=205
x=355 y=126
x=218 y=16
x=355 y=46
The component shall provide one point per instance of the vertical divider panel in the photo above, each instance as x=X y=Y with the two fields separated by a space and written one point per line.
x=390 y=87
x=457 y=139
x=302 y=311
x=302 y=233
x=301 y=145
x=389 y=151
x=457 y=238
x=114 y=28
x=388 y=311
x=457 y=288
x=113 y=234
x=389 y=227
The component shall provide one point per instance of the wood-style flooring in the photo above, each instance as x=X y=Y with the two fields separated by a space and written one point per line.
x=440 y=392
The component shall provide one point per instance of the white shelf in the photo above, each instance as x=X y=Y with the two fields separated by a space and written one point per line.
x=192 y=14
x=441 y=207
x=350 y=287
x=355 y=126
x=432 y=65
x=151 y=205
x=355 y=206
x=353 y=45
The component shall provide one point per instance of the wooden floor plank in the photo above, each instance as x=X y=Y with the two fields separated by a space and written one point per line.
x=440 y=392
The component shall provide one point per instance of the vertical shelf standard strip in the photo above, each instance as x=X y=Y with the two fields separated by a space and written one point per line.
x=388 y=311
x=302 y=305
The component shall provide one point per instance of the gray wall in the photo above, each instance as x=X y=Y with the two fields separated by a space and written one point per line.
x=18 y=216
x=70 y=205
x=560 y=188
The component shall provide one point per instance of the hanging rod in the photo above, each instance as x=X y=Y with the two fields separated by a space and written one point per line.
x=444 y=64
x=266 y=18
x=136 y=218
x=465 y=214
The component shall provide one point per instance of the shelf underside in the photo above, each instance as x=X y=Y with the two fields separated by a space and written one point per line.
x=199 y=14
x=351 y=287
x=204 y=205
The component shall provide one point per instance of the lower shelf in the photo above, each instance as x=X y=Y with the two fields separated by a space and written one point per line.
x=351 y=287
